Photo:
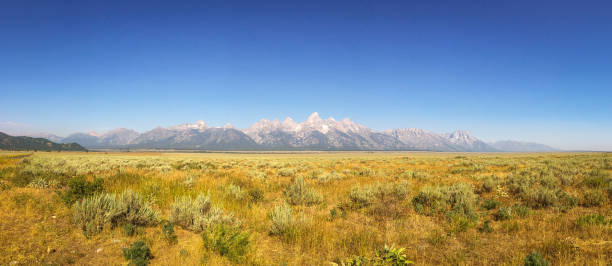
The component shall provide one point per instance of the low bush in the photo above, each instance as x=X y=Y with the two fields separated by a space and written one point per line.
x=489 y=184
x=504 y=213
x=298 y=193
x=197 y=215
x=459 y=198
x=94 y=212
x=227 y=241
x=79 y=188
x=597 y=179
x=540 y=197
x=361 y=197
x=256 y=195
x=235 y=192
x=491 y=204
x=138 y=253
x=386 y=256
x=282 y=220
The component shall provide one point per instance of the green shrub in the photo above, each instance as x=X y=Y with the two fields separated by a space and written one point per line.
x=197 y=215
x=138 y=253
x=593 y=198
x=298 y=193
x=282 y=220
x=458 y=198
x=80 y=188
x=168 y=233
x=491 y=204
x=94 y=212
x=390 y=256
x=535 y=259
x=227 y=241
x=256 y=195
x=489 y=183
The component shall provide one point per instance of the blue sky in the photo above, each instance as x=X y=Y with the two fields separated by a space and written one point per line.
x=525 y=70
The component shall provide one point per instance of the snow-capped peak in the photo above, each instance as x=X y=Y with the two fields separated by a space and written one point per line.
x=199 y=125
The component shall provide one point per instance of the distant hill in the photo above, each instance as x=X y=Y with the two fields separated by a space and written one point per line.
x=28 y=143
x=520 y=146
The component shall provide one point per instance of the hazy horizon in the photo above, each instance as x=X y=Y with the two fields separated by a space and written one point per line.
x=537 y=72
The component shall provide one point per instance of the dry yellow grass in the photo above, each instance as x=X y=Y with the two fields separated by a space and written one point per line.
x=36 y=225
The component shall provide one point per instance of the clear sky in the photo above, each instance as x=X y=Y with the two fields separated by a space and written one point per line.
x=524 y=70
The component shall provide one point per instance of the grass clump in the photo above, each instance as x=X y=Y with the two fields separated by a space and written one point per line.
x=298 y=193
x=197 y=215
x=227 y=241
x=138 y=253
x=593 y=198
x=592 y=219
x=94 y=212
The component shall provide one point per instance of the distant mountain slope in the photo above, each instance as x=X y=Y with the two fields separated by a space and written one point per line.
x=315 y=133
x=520 y=146
x=28 y=143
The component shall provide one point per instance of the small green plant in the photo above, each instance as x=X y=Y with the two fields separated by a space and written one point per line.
x=491 y=204
x=486 y=227
x=535 y=259
x=227 y=241
x=129 y=229
x=138 y=253
x=168 y=233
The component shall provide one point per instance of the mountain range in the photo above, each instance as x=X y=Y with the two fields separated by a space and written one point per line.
x=41 y=144
x=315 y=133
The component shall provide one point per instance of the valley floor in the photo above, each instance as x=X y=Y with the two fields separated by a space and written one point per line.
x=89 y=208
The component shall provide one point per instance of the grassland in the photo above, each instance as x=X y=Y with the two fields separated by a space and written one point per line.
x=305 y=208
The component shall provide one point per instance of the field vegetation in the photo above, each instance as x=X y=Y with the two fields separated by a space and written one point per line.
x=97 y=208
